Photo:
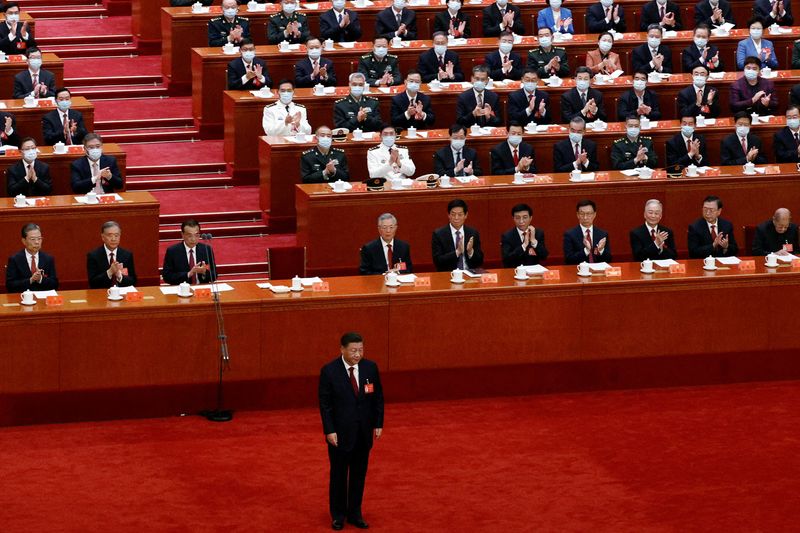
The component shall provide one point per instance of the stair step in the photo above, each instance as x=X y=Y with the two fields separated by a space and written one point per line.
x=178 y=181
x=135 y=110
x=178 y=122
x=66 y=12
x=121 y=91
x=219 y=217
x=52 y=43
x=197 y=168
x=93 y=50
x=51 y=4
x=185 y=133
x=145 y=79
x=254 y=228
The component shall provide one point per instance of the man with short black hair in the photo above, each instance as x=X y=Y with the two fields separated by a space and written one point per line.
x=512 y=155
x=29 y=176
x=30 y=268
x=190 y=260
x=63 y=124
x=34 y=81
x=457 y=159
x=15 y=36
x=456 y=246
x=742 y=146
x=523 y=244
x=711 y=235
x=585 y=242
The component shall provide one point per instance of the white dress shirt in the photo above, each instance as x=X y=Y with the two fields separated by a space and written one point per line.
x=355 y=371
x=36 y=258
x=248 y=66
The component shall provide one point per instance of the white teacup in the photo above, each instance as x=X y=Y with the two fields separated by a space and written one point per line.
x=396 y=41
x=411 y=133
x=252 y=5
x=583 y=269
x=451 y=39
x=700 y=120
x=91 y=197
x=19 y=200
x=29 y=101
x=766 y=72
x=475 y=129
x=647 y=265
x=358 y=134
x=59 y=147
x=518 y=178
x=184 y=289
x=691 y=170
x=328 y=44
x=444 y=181
x=361 y=3
x=644 y=122
x=520 y=272
x=319 y=89
x=772 y=260
x=283 y=46
x=435 y=84
x=197 y=7
x=709 y=262
x=297 y=283
x=754 y=118
x=575 y=174
x=338 y=186
x=113 y=292
x=27 y=298
x=530 y=127
x=457 y=276
x=645 y=172
x=749 y=168
x=391 y=278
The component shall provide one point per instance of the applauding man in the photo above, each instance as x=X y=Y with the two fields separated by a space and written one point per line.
x=288 y=25
x=456 y=246
x=576 y=152
x=742 y=147
x=512 y=155
x=439 y=63
x=411 y=108
x=711 y=235
x=109 y=264
x=585 y=242
x=15 y=36
x=388 y=160
x=524 y=244
x=96 y=172
x=651 y=240
x=30 y=268
x=479 y=105
x=285 y=117
x=63 y=124
x=386 y=253
x=28 y=176
x=35 y=81
x=249 y=72
x=456 y=159
x=339 y=24
x=583 y=101
x=229 y=28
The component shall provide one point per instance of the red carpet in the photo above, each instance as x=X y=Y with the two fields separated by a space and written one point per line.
x=115 y=67
x=193 y=202
x=240 y=250
x=696 y=459
x=83 y=26
x=143 y=108
x=173 y=154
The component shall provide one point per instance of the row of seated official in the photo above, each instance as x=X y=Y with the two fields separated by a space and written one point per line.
x=457 y=245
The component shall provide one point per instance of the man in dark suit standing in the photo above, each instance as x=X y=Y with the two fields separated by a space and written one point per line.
x=639 y=100
x=248 y=73
x=396 y=21
x=109 y=264
x=95 y=172
x=777 y=235
x=576 y=152
x=529 y=104
x=651 y=240
x=523 y=244
x=63 y=124
x=584 y=242
x=662 y=13
x=439 y=63
x=687 y=147
x=478 y=105
x=351 y=407
x=786 y=141
x=583 y=101
x=15 y=37
x=456 y=246
x=31 y=269
x=713 y=13
x=34 y=81
x=314 y=69
x=774 y=12
x=502 y=16
x=339 y=24
x=411 y=107
x=652 y=56
x=504 y=63
x=378 y=255
x=512 y=155
x=190 y=260
x=28 y=176
x=457 y=159
x=742 y=147
x=605 y=16
x=711 y=235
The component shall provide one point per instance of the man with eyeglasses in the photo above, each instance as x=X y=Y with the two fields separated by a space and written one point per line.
x=711 y=235
x=386 y=253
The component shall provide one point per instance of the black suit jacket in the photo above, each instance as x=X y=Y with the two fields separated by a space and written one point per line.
x=564 y=156
x=444 y=165
x=236 y=71
x=353 y=418
x=386 y=24
x=23 y=85
x=18 y=273
x=444 y=249
x=640 y=58
x=494 y=62
x=97 y=266
x=785 y=146
x=441 y=22
x=732 y=153
x=678 y=155
x=466 y=104
x=573 y=246
x=303 y=70
x=374 y=262
x=596 y=19
x=518 y=103
x=15 y=44
x=17 y=184
x=329 y=27
x=82 y=175
x=503 y=159
x=400 y=105
x=763 y=8
x=512 y=253
x=11 y=140
x=650 y=15
x=687 y=102
x=492 y=19
x=428 y=66
x=571 y=105
x=691 y=58
x=628 y=104
x=767 y=240
x=703 y=11
x=700 y=241
x=643 y=246
x=794 y=96
x=53 y=129
x=176 y=265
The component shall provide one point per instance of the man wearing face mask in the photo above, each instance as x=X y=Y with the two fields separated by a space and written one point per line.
x=576 y=152
x=555 y=17
x=28 y=176
x=63 y=124
x=700 y=52
x=529 y=104
x=288 y=25
x=663 y=13
x=639 y=101
x=548 y=60
x=323 y=163
x=786 y=141
x=456 y=159
x=512 y=155
x=502 y=16
x=742 y=147
x=339 y=24
x=755 y=46
x=713 y=13
x=633 y=150
x=504 y=63
x=95 y=172
x=652 y=56
x=439 y=63
x=34 y=81
x=452 y=21
x=687 y=147
x=230 y=27
x=381 y=68
x=357 y=111
x=605 y=16
x=285 y=117
x=699 y=98
x=248 y=73
x=411 y=108
x=752 y=93
x=388 y=160
x=397 y=21
x=603 y=60
x=774 y=12
x=15 y=37
x=314 y=69
x=479 y=105
x=582 y=101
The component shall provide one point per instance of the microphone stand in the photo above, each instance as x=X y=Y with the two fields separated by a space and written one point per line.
x=218 y=414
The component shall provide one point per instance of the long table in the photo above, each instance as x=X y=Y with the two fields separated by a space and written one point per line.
x=70 y=230
x=280 y=168
x=102 y=359
x=29 y=119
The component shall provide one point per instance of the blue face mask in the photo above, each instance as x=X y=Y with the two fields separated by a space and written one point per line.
x=289 y=8
x=750 y=74
x=529 y=86
x=457 y=144
x=633 y=132
x=479 y=85
x=29 y=155
x=514 y=140
x=440 y=49
x=35 y=63
x=793 y=123
x=575 y=137
x=248 y=55
x=687 y=130
x=230 y=12
x=412 y=86
x=94 y=153
x=742 y=131
x=63 y=105
x=356 y=90
x=380 y=51
x=388 y=140
x=314 y=53
x=286 y=97
x=582 y=85
x=506 y=47
x=324 y=142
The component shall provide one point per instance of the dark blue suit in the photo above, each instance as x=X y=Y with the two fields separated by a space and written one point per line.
x=373 y=261
x=329 y=27
x=494 y=62
x=785 y=146
x=644 y=247
x=53 y=128
x=303 y=70
x=428 y=66
x=691 y=58
x=677 y=154
x=443 y=249
x=687 y=102
x=650 y=15
x=571 y=105
x=732 y=154
x=703 y=12
x=97 y=268
x=596 y=19
x=17 y=184
x=82 y=175
x=503 y=159
x=444 y=162
x=386 y=24
x=236 y=72
x=573 y=246
x=564 y=156
x=492 y=17
x=763 y=8
x=18 y=273
x=628 y=103
x=441 y=22
x=518 y=103
x=400 y=105
x=701 y=243
x=641 y=57
x=175 y=269
x=466 y=105
x=23 y=83
x=512 y=253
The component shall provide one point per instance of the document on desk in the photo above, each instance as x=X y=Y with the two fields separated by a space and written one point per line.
x=42 y=295
x=533 y=270
x=406 y=278
x=729 y=261
x=219 y=287
x=599 y=267
x=788 y=258
x=664 y=263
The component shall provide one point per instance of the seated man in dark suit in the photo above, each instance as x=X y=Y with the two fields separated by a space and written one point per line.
x=639 y=101
x=8 y=133
x=786 y=141
x=230 y=27
x=576 y=152
x=711 y=235
x=778 y=12
x=34 y=81
x=529 y=104
x=713 y=13
x=699 y=98
x=28 y=176
x=585 y=242
x=314 y=69
x=479 y=105
x=663 y=13
x=248 y=73
x=31 y=269
x=583 y=101
x=456 y=159
x=794 y=95
x=504 y=63
x=411 y=108
x=95 y=172
x=109 y=264
x=687 y=147
x=777 y=235
x=502 y=16
x=742 y=147
x=512 y=155
x=453 y=21
x=339 y=24
x=377 y=255
x=700 y=52
x=456 y=246
x=523 y=244
x=15 y=37
x=604 y=16
x=650 y=240
x=64 y=124
x=439 y=63
x=397 y=21
x=190 y=260
x=652 y=56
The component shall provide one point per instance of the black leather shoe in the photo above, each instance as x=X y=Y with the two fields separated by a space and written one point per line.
x=359 y=523
x=337 y=525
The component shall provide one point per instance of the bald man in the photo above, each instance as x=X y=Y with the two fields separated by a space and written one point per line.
x=777 y=235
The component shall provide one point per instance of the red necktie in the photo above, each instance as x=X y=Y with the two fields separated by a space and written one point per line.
x=33 y=264
x=35 y=80
x=530 y=97
x=389 y=257
x=67 y=133
x=713 y=232
x=353 y=381
x=653 y=234
x=744 y=145
x=577 y=151
x=193 y=277
x=590 y=246
x=111 y=262
x=441 y=62
x=516 y=157
x=688 y=146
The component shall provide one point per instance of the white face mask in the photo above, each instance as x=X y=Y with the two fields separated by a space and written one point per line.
x=412 y=86
x=388 y=140
x=29 y=155
x=687 y=130
x=700 y=42
x=750 y=73
x=653 y=42
x=606 y=3
x=289 y=8
x=479 y=85
x=12 y=17
x=506 y=47
x=604 y=46
x=94 y=153
x=639 y=85
x=454 y=6
x=286 y=97
x=324 y=142
x=742 y=131
x=514 y=140
x=529 y=86
x=575 y=138
x=440 y=49
x=230 y=12
x=35 y=63
x=662 y=2
x=380 y=51
x=502 y=3
x=555 y=4
x=545 y=42
x=399 y=4
x=632 y=132
x=338 y=5
x=699 y=81
x=249 y=55
x=756 y=33
x=457 y=144
x=356 y=90
x=582 y=85
x=314 y=53
x=793 y=123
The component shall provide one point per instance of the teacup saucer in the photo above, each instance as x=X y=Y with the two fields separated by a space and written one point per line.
x=296 y=290
x=776 y=265
x=118 y=298
x=710 y=268
x=587 y=275
x=395 y=284
x=750 y=173
x=186 y=295
x=24 y=303
x=456 y=281
x=643 y=271
x=522 y=278
x=448 y=186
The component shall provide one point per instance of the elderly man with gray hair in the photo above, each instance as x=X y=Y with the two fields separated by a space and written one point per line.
x=777 y=235
x=651 y=240
x=109 y=264
x=356 y=110
x=386 y=253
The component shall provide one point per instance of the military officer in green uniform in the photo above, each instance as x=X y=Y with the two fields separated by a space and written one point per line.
x=548 y=59
x=357 y=110
x=229 y=28
x=633 y=150
x=381 y=68
x=287 y=25
x=323 y=163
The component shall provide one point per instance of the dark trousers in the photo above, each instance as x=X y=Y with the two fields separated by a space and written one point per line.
x=348 y=474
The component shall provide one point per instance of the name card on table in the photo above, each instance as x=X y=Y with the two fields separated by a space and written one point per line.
x=795 y=264
x=54 y=300
x=772 y=169
x=747 y=266
x=135 y=296
x=480 y=182
x=359 y=187
x=680 y=268
x=320 y=286
x=107 y=199
x=42 y=202
x=422 y=281
x=419 y=185
x=201 y=293
x=614 y=272
x=489 y=277
x=602 y=176
x=551 y=275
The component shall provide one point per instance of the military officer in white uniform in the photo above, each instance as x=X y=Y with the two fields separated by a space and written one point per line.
x=285 y=117
x=388 y=160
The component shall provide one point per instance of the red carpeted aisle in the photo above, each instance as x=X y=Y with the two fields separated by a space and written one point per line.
x=719 y=458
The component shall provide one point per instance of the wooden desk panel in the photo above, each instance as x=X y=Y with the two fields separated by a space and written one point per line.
x=17 y=63
x=29 y=120
x=71 y=230
x=350 y=217
x=146 y=24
